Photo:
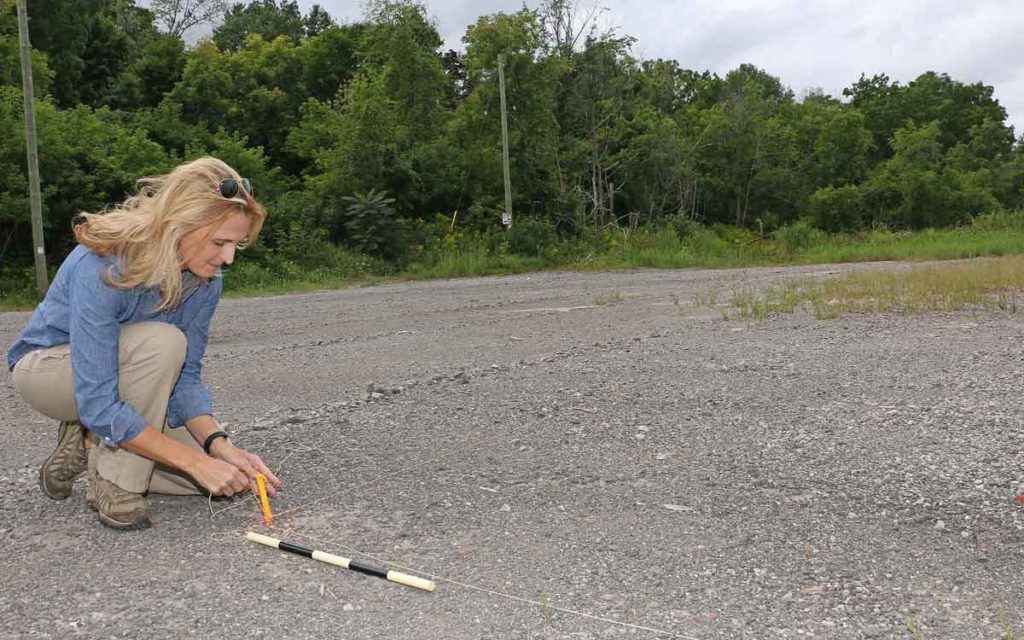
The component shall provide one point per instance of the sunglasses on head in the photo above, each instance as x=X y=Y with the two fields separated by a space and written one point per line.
x=229 y=188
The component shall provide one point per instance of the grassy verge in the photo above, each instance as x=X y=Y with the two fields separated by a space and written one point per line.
x=989 y=283
x=321 y=266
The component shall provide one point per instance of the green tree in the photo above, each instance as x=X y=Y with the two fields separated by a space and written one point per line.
x=832 y=143
x=87 y=44
x=877 y=99
x=10 y=56
x=909 y=189
x=985 y=167
x=265 y=18
x=670 y=88
x=402 y=46
x=208 y=91
x=146 y=80
x=88 y=160
x=254 y=91
x=379 y=133
x=662 y=176
x=750 y=166
x=597 y=105
x=13 y=179
x=328 y=60
x=458 y=82
x=369 y=143
x=932 y=97
x=955 y=106
x=317 y=21
x=166 y=125
x=474 y=130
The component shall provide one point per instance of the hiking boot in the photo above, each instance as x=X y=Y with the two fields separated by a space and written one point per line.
x=117 y=508
x=68 y=460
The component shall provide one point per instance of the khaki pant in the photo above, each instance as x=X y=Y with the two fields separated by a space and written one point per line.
x=151 y=355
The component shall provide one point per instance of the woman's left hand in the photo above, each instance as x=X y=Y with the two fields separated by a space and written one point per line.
x=248 y=463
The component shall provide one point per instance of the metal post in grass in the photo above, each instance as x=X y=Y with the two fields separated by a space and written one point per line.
x=35 y=203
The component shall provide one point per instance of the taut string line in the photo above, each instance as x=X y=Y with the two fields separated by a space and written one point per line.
x=471 y=445
x=491 y=592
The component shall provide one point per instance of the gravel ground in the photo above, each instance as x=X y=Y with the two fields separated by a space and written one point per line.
x=595 y=443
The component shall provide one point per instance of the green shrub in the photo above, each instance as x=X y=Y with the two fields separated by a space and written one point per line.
x=304 y=246
x=705 y=243
x=1000 y=220
x=663 y=239
x=531 y=236
x=838 y=208
x=796 y=237
x=18 y=288
x=369 y=224
x=684 y=227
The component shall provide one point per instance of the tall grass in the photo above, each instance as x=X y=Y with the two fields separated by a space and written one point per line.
x=924 y=245
x=474 y=261
x=306 y=261
x=992 y=283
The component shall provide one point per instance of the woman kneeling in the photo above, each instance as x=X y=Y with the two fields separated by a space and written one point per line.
x=114 y=351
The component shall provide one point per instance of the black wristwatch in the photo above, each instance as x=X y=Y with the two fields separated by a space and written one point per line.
x=210 y=438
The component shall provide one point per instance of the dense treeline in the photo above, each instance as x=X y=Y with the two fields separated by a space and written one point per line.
x=368 y=136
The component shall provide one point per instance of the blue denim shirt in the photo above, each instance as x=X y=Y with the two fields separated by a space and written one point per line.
x=80 y=308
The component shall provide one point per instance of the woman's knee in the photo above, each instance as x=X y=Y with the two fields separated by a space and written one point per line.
x=159 y=341
x=43 y=379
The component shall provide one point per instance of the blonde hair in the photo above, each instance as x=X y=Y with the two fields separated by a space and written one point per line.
x=144 y=231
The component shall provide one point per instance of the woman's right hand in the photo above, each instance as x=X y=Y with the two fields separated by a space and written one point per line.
x=216 y=476
x=220 y=478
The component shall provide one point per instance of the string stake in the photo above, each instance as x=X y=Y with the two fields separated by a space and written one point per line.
x=345 y=563
x=261 y=485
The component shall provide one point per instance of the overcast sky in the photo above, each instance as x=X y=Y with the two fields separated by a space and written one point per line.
x=823 y=44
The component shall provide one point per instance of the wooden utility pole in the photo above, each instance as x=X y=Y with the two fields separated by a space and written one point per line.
x=35 y=203
x=506 y=218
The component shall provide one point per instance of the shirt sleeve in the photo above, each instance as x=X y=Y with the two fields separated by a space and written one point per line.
x=94 y=335
x=190 y=397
